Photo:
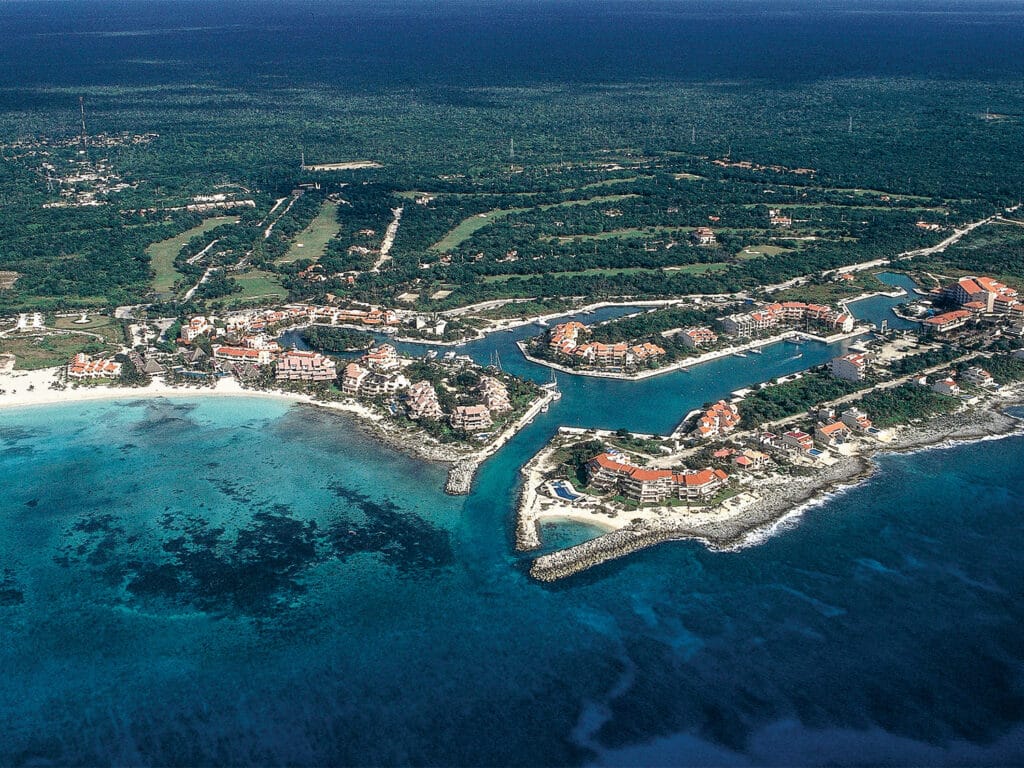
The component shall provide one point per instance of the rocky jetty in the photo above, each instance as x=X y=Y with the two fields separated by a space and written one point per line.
x=460 y=477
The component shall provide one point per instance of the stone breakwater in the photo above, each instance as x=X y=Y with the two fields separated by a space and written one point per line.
x=460 y=477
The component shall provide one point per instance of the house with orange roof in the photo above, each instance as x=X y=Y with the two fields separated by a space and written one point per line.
x=856 y=419
x=832 y=435
x=797 y=440
x=703 y=236
x=978 y=376
x=720 y=418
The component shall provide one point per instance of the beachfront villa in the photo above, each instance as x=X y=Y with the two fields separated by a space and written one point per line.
x=353 y=379
x=471 y=418
x=946 y=386
x=856 y=419
x=797 y=440
x=84 y=367
x=608 y=472
x=786 y=313
x=196 y=327
x=421 y=399
x=977 y=376
x=832 y=435
x=305 y=366
x=851 y=367
x=719 y=419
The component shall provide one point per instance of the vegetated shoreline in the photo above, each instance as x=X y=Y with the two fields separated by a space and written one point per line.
x=463 y=464
x=689 y=362
x=785 y=498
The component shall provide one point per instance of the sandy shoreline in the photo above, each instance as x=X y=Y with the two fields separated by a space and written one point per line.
x=18 y=395
x=779 y=500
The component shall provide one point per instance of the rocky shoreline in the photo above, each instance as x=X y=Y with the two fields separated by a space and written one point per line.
x=781 y=496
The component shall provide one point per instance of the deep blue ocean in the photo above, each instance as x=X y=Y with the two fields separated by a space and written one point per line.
x=238 y=581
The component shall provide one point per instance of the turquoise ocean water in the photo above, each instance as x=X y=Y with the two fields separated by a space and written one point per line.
x=242 y=581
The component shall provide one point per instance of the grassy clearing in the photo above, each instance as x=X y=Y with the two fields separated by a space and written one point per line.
x=259 y=284
x=757 y=251
x=611 y=182
x=311 y=242
x=699 y=269
x=465 y=228
x=32 y=352
x=686 y=177
x=162 y=254
x=632 y=232
x=690 y=269
x=100 y=324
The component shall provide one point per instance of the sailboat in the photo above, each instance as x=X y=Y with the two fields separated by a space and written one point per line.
x=552 y=387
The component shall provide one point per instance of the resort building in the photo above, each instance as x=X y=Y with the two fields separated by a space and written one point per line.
x=947 y=321
x=703 y=236
x=380 y=384
x=851 y=367
x=564 y=337
x=353 y=378
x=471 y=418
x=84 y=367
x=421 y=399
x=992 y=295
x=777 y=218
x=196 y=326
x=648 y=486
x=242 y=355
x=305 y=366
x=720 y=418
x=786 y=313
x=978 y=376
x=946 y=386
x=495 y=395
x=383 y=357
x=697 y=337
x=831 y=435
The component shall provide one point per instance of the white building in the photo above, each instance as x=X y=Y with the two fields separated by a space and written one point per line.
x=851 y=367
